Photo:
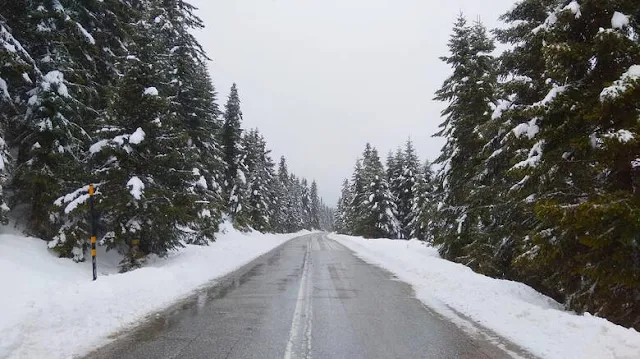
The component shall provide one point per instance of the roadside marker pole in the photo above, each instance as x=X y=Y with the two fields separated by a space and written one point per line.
x=93 y=232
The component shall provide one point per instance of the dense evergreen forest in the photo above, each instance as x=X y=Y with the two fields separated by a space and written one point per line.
x=117 y=93
x=539 y=179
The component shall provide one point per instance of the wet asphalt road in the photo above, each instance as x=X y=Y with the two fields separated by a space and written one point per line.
x=310 y=298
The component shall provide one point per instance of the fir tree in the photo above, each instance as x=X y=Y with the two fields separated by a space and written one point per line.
x=260 y=199
x=234 y=158
x=405 y=188
x=378 y=209
x=305 y=200
x=342 y=215
x=281 y=198
x=583 y=248
x=469 y=93
x=422 y=212
x=53 y=132
x=316 y=207
x=17 y=72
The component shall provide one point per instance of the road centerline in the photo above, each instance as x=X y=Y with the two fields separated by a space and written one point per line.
x=299 y=343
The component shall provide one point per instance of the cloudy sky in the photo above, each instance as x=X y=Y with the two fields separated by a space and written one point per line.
x=320 y=78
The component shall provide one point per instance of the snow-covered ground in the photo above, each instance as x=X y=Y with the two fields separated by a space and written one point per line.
x=511 y=310
x=50 y=308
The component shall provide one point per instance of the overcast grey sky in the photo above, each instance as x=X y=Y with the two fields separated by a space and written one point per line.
x=320 y=78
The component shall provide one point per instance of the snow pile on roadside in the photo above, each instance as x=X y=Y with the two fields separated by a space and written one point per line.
x=50 y=308
x=512 y=310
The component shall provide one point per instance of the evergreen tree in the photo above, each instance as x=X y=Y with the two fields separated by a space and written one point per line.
x=295 y=214
x=342 y=215
x=583 y=246
x=378 y=209
x=234 y=157
x=53 y=133
x=305 y=200
x=356 y=211
x=367 y=207
x=405 y=195
x=394 y=171
x=17 y=71
x=281 y=197
x=326 y=218
x=469 y=92
x=260 y=199
x=422 y=212
x=505 y=195
x=316 y=207
x=141 y=155
x=192 y=100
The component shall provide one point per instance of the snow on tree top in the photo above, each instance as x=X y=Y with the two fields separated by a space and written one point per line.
x=55 y=78
x=549 y=22
x=73 y=199
x=150 y=91
x=202 y=182
x=531 y=129
x=551 y=95
x=501 y=107
x=621 y=135
x=136 y=187
x=622 y=85
x=4 y=90
x=619 y=20
x=86 y=34
x=574 y=7
x=535 y=155
x=137 y=136
x=57 y=6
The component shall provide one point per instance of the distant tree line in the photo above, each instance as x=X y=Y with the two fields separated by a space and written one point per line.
x=386 y=203
x=117 y=93
x=539 y=179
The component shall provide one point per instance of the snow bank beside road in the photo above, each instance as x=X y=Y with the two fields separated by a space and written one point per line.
x=512 y=310
x=50 y=308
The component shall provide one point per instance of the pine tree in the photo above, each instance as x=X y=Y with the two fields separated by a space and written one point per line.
x=356 y=211
x=234 y=156
x=75 y=46
x=316 y=207
x=469 y=93
x=281 y=197
x=17 y=72
x=583 y=246
x=405 y=195
x=192 y=99
x=53 y=134
x=343 y=211
x=394 y=171
x=150 y=183
x=326 y=217
x=422 y=212
x=378 y=208
x=305 y=199
x=260 y=199
x=295 y=214
x=503 y=194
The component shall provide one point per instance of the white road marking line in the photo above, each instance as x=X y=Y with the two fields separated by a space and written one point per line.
x=301 y=331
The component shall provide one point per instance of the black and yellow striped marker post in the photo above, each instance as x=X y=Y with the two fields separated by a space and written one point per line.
x=93 y=232
x=135 y=245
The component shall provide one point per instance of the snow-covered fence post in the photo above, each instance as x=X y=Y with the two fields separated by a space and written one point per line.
x=93 y=232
